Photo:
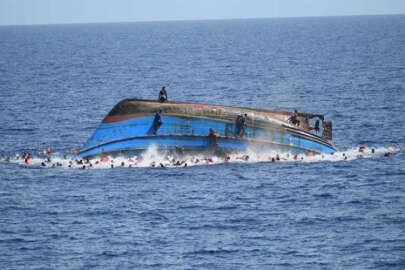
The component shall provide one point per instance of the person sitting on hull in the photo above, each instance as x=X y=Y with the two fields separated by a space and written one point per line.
x=293 y=118
x=240 y=124
x=162 y=95
x=157 y=122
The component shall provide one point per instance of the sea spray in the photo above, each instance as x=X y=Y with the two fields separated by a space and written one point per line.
x=153 y=157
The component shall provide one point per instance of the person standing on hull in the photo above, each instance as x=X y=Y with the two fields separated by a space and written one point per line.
x=162 y=95
x=157 y=122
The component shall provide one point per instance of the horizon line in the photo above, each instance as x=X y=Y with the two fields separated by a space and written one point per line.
x=207 y=19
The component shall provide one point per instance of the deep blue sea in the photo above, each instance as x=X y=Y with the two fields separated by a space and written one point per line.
x=57 y=82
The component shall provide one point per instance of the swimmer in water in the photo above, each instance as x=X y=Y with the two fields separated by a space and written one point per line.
x=244 y=157
x=29 y=161
x=26 y=155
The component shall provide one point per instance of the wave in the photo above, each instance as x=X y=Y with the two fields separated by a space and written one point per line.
x=156 y=159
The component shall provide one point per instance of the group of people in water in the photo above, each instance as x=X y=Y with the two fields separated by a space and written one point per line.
x=178 y=159
x=135 y=161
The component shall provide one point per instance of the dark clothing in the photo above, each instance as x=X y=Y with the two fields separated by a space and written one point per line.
x=157 y=122
x=212 y=138
x=293 y=119
x=240 y=125
x=163 y=95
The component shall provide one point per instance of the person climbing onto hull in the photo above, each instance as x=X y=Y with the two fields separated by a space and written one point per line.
x=157 y=122
x=240 y=125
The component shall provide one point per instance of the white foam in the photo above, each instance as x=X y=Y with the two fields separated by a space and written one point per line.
x=153 y=158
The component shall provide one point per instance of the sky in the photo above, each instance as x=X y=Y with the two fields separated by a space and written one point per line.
x=16 y=12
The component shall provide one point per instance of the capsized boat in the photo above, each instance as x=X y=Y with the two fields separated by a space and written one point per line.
x=135 y=124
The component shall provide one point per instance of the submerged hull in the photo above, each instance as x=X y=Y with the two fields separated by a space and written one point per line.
x=129 y=127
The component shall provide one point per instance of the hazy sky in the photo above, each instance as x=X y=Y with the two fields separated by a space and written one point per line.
x=79 y=11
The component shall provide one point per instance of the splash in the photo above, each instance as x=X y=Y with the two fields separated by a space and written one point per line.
x=153 y=158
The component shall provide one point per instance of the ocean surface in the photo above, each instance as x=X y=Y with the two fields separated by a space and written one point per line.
x=57 y=82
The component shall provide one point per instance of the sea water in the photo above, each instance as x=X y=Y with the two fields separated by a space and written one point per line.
x=345 y=210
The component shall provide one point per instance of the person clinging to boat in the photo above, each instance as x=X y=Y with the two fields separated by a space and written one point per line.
x=240 y=125
x=162 y=95
x=212 y=138
x=157 y=122
x=293 y=118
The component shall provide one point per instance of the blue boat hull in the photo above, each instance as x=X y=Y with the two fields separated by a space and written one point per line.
x=190 y=133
